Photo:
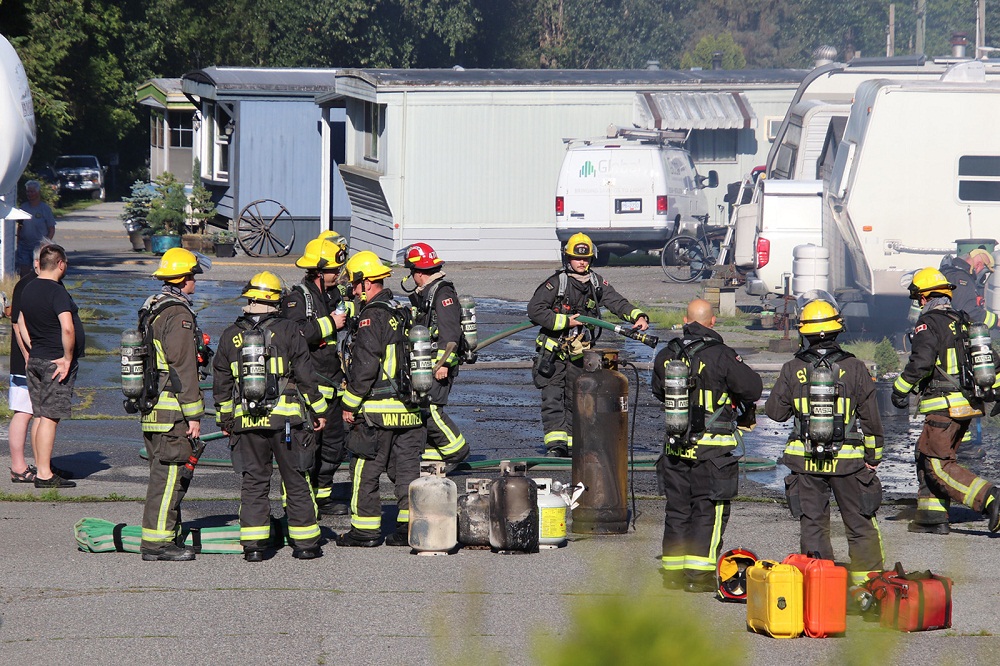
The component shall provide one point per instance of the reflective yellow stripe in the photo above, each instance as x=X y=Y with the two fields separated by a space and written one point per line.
x=366 y=523
x=303 y=532
x=256 y=533
x=193 y=410
x=672 y=562
x=157 y=535
x=555 y=436
x=562 y=321
x=901 y=385
x=931 y=504
x=351 y=401
x=388 y=406
x=389 y=362
x=403 y=517
x=167 y=500
x=326 y=326
x=455 y=440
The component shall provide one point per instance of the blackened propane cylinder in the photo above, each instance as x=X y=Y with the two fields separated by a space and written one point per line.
x=600 y=445
x=433 y=511
x=474 y=514
x=513 y=511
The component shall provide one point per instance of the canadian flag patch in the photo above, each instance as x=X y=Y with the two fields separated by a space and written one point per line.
x=364 y=322
x=446 y=302
x=922 y=327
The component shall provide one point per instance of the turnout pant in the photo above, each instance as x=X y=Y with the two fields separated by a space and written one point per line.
x=295 y=458
x=330 y=450
x=161 y=518
x=444 y=440
x=940 y=477
x=397 y=454
x=858 y=497
x=557 y=400
x=698 y=497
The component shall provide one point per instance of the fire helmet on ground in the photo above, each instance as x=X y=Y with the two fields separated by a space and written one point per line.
x=366 y=265
x=422 y=257
x=929 y=281
x=579 y=246
x=820 y=318
x=731 y=573
x=265 y=287
x=176 y=264
x=322 y=254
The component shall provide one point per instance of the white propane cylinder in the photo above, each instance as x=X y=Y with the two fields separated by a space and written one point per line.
x=992 y=289
x=810 y=268
x=551 y=515
x=433 y=497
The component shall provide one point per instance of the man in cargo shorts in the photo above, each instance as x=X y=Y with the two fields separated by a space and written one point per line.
x=53 y=335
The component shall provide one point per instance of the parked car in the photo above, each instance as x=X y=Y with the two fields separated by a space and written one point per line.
x=80 y=174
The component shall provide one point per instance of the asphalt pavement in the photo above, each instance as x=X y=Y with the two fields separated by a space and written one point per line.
x=385 y=605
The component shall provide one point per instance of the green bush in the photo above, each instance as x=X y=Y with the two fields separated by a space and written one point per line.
x=885 y=357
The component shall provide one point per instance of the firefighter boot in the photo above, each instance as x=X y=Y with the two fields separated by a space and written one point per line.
x=171 y=553
x=700 y=582
x=672 y=580
x=360 y=538
x=307 y=553
x=333 y=508
x=557 y=451
x=401 y=537
x=922 y=528
x=992 y=510
x=251 y=555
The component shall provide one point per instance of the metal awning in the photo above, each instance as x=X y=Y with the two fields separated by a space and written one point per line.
x=693 y=111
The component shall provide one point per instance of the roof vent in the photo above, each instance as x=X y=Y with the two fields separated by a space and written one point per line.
x=824 y=55
x=959 y=40
x=652 y=64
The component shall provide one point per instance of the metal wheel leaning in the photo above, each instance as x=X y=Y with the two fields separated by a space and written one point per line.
x=265 y=229
x=685 y=259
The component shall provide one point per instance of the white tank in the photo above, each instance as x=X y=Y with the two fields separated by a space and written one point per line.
x=992 y=288
x=810 y=268
x=17 y=119
x=433 y=528
x=551 y=515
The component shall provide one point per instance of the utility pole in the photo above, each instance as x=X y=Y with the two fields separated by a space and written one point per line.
x=890 y=37
x=921 y=26
x=980 y=29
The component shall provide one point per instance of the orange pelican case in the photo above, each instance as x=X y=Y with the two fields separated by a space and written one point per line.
x=774 y=599
x=824 y=595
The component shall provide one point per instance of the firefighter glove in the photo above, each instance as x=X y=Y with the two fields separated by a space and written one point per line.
x=900 y=400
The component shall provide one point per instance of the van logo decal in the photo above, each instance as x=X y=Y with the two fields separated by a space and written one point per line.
x=587 y=170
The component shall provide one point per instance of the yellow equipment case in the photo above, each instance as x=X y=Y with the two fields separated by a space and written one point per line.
x=774 y=599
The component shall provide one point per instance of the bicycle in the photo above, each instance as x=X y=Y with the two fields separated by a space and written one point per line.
x=687 y=258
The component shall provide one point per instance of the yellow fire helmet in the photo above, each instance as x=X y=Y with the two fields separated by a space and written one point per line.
x=579 y=246
x=820 y=318
x=176 y=264
x=322 y=254
x=264 y=287
x=333 y=237
x=928 y=281
x=366 y=265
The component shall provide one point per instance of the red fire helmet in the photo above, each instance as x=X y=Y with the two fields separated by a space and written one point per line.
x=422 y=256
x=731 y=574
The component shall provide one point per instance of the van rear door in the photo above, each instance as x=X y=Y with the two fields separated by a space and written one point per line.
x=585 y=185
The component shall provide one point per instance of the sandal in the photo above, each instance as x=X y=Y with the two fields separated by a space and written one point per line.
x=27 y=476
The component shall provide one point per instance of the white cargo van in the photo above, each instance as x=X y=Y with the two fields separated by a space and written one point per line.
x=632 y=191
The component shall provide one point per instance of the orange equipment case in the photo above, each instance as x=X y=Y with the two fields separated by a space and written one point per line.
x=824 y=595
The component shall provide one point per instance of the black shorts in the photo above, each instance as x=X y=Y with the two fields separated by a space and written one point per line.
x=49 y=399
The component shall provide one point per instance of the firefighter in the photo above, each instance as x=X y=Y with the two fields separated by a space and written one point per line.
x=315 y=305
x=573 y=290
x=935 y=371
x=386 y=431
x=825 y=454
x=174 y=421
x=697 y=470
x=436 y=306
x=267 y=399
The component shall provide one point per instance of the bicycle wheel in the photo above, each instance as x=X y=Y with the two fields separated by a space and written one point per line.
x=685 y=259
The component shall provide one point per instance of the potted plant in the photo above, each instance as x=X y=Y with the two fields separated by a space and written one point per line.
x=168 y=213
x=225 y=243
x=134 y=217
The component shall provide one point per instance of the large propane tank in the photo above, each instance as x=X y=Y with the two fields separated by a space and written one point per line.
x=551 y=514
x=513 y=511
x=474 y=514
x=810 y=268
x=433 y=511
x=600 y=445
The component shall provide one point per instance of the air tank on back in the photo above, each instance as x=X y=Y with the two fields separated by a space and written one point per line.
x=433 y=511
x=474 y=514
x=513 y=511
x=600 y=445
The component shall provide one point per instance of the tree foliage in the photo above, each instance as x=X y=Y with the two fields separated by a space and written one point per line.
x=85 y=58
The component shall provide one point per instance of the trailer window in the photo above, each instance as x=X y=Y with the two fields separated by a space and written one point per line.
x=979 y=178
x=713 y=145
x=374 y=118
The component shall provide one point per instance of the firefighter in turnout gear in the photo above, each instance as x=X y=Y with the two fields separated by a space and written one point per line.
x=386 y=431
x=267 y=399
x=315 y=305
x=174 y=421
x=829 y=393
x=574 y=290
x=436 y=306
x=698 y=471
x=939 y=371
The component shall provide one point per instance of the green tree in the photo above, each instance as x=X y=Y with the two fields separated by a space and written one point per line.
x=701 y=56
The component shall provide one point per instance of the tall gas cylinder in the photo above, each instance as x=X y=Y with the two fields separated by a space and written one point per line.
x=822 y=407
x=513 y=511
x=421 y=359
x=133 y=355
x=551 y=514
x=253 y=368
x=600 y=445
x=433 y=511
x=474 y=514
x=676 y=399
x=469 y=328
x=984 y=370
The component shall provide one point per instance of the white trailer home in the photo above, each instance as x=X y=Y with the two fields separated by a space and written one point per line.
x=468 y=160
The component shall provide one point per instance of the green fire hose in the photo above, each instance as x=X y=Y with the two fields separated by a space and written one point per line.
x=627 y=331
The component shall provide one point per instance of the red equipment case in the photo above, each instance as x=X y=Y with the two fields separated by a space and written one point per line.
x=824 y=595
x=915 y=601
